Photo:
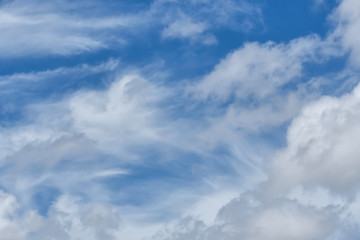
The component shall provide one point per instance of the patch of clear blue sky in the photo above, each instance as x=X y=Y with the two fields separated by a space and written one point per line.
x=43 y=197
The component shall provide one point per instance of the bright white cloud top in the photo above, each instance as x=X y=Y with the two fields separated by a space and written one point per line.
x=179 y=120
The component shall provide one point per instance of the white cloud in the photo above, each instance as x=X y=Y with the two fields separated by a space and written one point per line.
x=207 y=207
x=322 y=147
x=20 y=37
x=184 y=28
x=181 y=20
x=249 y=84
x=82 y=127
x=90 y=221
x=320 y=158
x=81 y=70
x=110 y=173
x=187 y=28
x=44 y=29
x=68 y=218
x=347 y=20
x=258 y=70
x=65 y=28
x=249 y=218
x=12 y=226
x=125 y=114
x=130 y=114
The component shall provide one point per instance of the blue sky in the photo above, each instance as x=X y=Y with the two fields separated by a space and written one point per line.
x=179 y=119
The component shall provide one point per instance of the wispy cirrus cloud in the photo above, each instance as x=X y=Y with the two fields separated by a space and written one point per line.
x=64 y=28
x=58 y=28
x=14 y=81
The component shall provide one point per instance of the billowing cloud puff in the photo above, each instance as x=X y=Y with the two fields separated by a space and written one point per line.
x=322 y=146
x=68 y=218
x=250 y=218
x=347 y=19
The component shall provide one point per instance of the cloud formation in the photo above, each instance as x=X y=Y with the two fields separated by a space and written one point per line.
x=144 y=153
x=65 y=28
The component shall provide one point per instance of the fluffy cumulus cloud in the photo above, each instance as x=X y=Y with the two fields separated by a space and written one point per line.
x=247 y=217
x=68 y=219
x=261 y=145
x=322 y=146
x=347 y=19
